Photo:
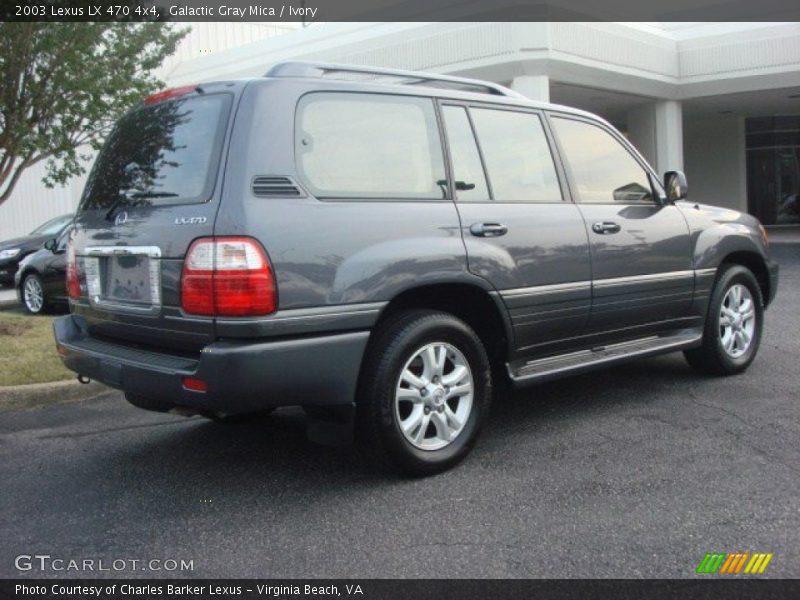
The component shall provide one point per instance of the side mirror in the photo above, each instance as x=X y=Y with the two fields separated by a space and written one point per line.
x=675 y=184
x=51 y=244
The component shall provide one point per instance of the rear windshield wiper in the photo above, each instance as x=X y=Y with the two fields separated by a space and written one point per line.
x=153 y=195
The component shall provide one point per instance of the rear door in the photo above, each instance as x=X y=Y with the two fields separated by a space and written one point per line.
x=519 y=231
x=642 y=268
x=154 y=188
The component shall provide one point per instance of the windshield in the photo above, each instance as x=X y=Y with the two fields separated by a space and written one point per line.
x=161 y=154
x=53 y=226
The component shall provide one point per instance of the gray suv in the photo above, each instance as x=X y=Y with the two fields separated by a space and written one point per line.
x=379 y=247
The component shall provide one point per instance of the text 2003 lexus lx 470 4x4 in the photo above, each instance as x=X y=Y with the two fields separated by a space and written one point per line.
x=369 y=244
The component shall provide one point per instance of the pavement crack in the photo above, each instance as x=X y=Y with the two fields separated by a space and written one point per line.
x=730 y=413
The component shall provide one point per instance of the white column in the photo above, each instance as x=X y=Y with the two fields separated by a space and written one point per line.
x=669 y=136
x=656 y=129
x=535 y=87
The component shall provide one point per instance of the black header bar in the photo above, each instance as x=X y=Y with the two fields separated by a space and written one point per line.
x=311 y=11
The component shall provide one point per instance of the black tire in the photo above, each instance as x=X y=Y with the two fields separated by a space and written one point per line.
x=392 y=345
x=712 y=358
x=33 y=279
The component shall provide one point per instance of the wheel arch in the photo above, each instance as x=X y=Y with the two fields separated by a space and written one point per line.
x=28 y=270
x=756 y=264
x=481 y=309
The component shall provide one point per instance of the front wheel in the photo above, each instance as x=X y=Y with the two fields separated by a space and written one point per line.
x=425 y=390
x=33 y=296
x=733 y=326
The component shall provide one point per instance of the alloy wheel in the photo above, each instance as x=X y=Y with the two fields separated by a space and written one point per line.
x=33 y=294
x=737 y=320
x=434 y=396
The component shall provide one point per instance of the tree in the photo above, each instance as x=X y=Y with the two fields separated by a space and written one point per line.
x=65 y=84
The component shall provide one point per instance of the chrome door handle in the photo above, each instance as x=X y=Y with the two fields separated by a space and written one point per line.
x=488 y=229
x=605 y=227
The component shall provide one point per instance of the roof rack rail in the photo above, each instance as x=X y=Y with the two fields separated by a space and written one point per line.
x=337 y=71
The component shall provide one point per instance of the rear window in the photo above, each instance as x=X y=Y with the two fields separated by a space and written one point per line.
x=167 y=153
x=352 y=145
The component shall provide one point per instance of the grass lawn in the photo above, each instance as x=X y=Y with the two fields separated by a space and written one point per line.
x=27 y=350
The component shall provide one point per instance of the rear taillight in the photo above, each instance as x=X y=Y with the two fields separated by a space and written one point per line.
x=73 y=278
x=227 y=276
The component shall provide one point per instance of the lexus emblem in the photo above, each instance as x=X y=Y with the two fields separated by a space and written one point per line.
x=121 y=219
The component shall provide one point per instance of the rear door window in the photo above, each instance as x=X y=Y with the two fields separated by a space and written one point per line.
x=517 y=156
x=351 y=145
x=167 y=153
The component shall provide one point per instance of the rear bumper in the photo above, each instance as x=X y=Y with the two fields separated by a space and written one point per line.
x=241 y=376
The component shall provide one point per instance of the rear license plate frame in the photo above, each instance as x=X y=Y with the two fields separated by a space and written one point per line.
x=97 y=271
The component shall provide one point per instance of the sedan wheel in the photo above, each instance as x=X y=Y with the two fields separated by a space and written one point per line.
x=33 y=294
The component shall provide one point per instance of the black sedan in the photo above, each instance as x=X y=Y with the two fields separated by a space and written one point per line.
x=41 y=278
x=13 y=251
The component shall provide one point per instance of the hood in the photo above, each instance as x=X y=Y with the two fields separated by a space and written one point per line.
x=720 y=214
x=26 y=243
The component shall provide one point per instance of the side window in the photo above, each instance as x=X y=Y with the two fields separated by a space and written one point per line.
x=603 y=169
x=350 y=145
x=470 y=180
x=517 y=156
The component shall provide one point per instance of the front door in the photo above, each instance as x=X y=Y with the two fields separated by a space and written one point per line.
x=642 y=271
x=519 y=232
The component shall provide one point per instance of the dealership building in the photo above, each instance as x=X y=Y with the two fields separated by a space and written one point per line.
x=720 y=101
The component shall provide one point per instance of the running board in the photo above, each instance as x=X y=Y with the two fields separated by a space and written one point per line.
x=552 y=367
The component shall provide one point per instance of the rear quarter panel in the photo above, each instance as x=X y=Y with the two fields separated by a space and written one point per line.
x=327 y=253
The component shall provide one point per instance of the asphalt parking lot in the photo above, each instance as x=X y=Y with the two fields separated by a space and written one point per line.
x=633 y=472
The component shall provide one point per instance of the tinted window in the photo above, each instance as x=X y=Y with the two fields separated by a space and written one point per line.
x=369 y=146
x=470 y=180
x=166 y=153
x=517 y=156
x=603 y=170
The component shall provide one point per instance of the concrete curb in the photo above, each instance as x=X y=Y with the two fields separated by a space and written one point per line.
x=8 y=300
x=37 y=395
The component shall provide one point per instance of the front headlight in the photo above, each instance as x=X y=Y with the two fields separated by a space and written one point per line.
x=10 y=253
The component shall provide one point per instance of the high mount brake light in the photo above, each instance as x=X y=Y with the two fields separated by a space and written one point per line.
x=169 y=94
x=73 y=279
x=227 y=276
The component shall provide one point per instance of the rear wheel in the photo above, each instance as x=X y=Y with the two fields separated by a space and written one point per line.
x=425 y=390
x=733 y=326
x=33 y=296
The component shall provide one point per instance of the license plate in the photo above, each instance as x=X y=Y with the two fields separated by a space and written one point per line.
x=124 y=277
x=128 y=279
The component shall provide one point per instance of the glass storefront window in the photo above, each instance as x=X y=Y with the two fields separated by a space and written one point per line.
x=773 y=169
